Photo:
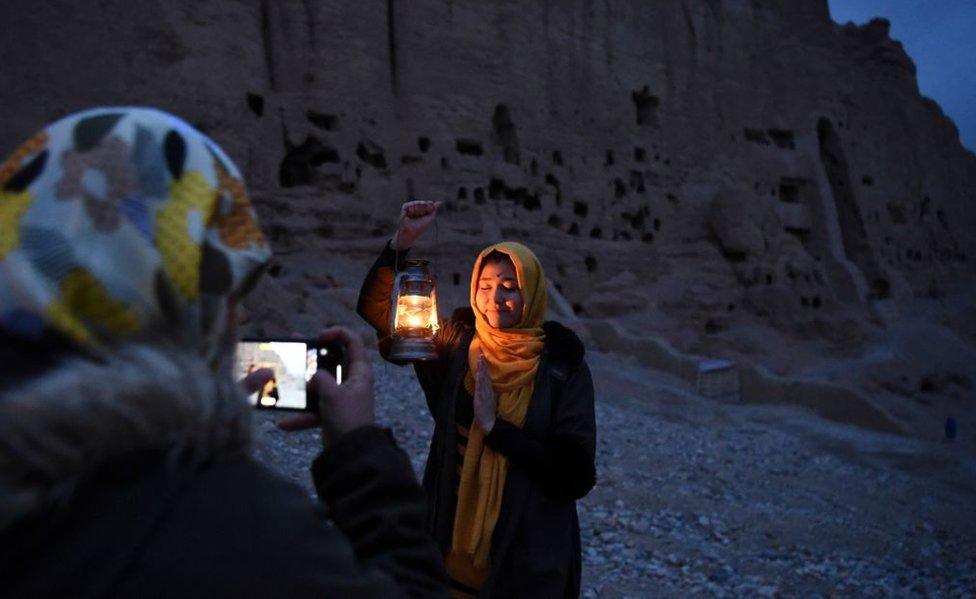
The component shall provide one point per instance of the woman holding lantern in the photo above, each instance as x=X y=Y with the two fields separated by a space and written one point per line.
x=515 y=434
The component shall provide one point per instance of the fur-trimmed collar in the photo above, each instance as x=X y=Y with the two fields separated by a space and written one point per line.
x=64 y=423
x=562 y=344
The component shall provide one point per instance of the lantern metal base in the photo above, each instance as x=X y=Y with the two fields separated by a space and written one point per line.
x=412 y=349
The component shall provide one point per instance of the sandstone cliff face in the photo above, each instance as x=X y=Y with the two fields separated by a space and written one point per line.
x=741 y=178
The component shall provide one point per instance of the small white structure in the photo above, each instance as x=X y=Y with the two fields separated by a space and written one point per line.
x=718 y=379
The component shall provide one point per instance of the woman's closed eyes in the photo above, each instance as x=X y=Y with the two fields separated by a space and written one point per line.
x=498 y=296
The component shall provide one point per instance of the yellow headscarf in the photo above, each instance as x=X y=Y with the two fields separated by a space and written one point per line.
x=512 y=356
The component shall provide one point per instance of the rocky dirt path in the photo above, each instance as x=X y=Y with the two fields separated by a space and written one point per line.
x=698 y=498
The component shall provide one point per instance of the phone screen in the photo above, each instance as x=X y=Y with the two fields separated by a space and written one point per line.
x=293 y=363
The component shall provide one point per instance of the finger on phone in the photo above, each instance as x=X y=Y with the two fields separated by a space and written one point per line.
x=321 y=382
x=355 y=349
x=299 y=423
x=254 y=381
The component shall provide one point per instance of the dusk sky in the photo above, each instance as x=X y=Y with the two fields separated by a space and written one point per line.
x=940 y=37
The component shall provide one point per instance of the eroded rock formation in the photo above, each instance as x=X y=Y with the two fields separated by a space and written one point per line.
x=742 y=179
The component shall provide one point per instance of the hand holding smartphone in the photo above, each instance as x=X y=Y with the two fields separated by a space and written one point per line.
x=343 y=407
x=294 y=362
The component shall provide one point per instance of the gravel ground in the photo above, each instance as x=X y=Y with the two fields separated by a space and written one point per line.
x=700 y=498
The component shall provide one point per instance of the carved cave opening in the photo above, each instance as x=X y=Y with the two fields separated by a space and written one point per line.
x=256 y=103
x=789 y=190
x=300 y=162
x=853 y=233
x=645 y=106
x=322 y=120
x=371 y=154
x=504 y=134
x=782 y=138
x=469 y=147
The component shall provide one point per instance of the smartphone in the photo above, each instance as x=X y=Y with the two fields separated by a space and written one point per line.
x=293 y=361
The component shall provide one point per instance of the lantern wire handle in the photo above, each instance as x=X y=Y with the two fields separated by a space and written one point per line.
x=437 y=243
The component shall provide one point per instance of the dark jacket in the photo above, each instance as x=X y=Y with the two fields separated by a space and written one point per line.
x=535 y=548
x=137 y=528
x=205 y=521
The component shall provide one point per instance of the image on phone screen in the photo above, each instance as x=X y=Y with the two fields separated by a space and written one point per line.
x=293 y=363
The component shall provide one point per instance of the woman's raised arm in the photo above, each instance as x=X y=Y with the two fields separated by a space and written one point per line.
x=374 y=296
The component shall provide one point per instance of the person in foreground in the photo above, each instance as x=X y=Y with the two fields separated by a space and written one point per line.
x=126 y=240
x=515 y=432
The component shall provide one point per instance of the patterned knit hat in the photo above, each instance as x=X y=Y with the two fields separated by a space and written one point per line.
x=118 y=222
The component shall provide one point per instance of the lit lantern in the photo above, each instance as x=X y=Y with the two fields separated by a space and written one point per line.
x=413 y=318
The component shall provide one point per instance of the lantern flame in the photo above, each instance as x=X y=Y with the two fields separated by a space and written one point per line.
x=416 y=312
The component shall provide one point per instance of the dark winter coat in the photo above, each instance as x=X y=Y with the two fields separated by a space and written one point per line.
x=535 y=549
x=153 y=522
